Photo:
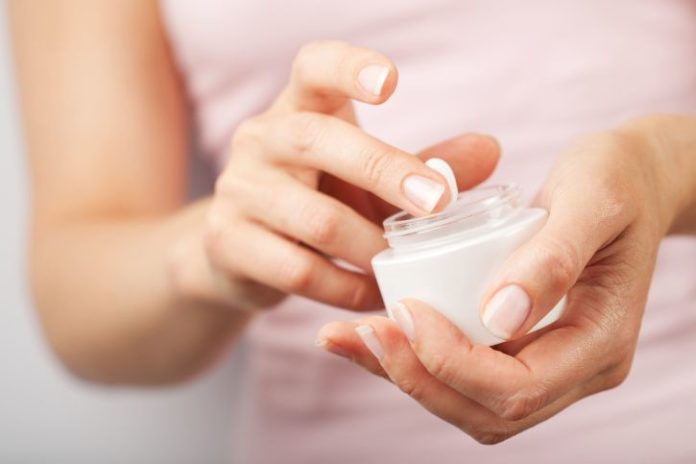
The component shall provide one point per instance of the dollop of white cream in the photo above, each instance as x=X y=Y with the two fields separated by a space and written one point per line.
x=446 y=171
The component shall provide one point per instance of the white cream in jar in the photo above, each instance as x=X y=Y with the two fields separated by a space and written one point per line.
x=448 y=259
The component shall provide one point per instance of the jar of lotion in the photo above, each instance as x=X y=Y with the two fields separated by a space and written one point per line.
x=448 y=259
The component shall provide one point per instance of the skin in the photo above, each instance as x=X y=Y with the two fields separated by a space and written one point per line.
x=612 y=197
x=132 y=284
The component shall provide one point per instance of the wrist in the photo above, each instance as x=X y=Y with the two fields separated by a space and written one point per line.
x=669 y=143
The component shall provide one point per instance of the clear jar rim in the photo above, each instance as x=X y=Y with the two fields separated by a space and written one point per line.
x=471 y=206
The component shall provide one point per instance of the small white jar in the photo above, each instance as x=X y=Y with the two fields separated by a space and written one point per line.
x=448 y=259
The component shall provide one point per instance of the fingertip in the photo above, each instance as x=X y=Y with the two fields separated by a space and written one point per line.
x=507 y=311
x=486 y=143
x=390 y=83
x=376 y=81
x=326 y=73
x=473 y=157
x=384 y=326
x=334 y=330
x=339 y=338
x=490 y=152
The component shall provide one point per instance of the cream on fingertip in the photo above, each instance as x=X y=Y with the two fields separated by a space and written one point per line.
x=445 y=170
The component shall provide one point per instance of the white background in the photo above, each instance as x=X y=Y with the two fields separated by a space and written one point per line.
x=48 y=416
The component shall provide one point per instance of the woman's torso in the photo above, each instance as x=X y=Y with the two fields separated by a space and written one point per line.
x=536 y=74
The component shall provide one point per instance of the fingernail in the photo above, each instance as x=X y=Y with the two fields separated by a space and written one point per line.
x=372 y=78
x=423 y=192
x=367 y=335
x=506 y=311
x=332 y=348
x=402 y=316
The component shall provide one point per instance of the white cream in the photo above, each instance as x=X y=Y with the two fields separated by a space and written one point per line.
x=445 y=171
x=449 y=258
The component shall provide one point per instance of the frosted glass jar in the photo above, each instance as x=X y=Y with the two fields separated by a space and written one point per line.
x=448 y=259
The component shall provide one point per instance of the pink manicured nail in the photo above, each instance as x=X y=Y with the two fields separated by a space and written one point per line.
x=423 y=192
x=372 y=78
x=367 y=335
x=402 y=316
x=506 y=311
x=331 y=348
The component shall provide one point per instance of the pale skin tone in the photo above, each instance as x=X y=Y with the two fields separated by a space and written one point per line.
x=176 y=283
x=133 y=285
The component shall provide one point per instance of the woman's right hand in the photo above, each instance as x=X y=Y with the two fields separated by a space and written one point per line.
x=304 y=185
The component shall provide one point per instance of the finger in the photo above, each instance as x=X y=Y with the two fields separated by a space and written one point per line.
x=549 y=368
x=286 y=205
x=472 y=157
x=394 y=355
x=197 y=279
x=326 y=74
x=597 y=336
x=364 y=203
x=388 y=346
x=339 y=338
x=536 y=276
x=260 y=255
x=479 y=372
x=334 y=146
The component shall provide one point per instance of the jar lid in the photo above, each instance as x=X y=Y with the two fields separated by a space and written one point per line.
x=471 y=209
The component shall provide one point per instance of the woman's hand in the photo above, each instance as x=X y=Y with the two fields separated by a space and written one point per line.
x=305 y=185
x=611 y=198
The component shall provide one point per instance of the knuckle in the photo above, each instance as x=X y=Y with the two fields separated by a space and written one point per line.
x=296 y=274
x=491 y=437
x=229 y=184
x=376 y=164
x=245 y=134
x=618 y=375
x=214 y=233
x=616 y=202
x=413 y=388
x=299 y=63
x=439 y=365
x=305 y=130
x=560 y=261
x=515 y=408
x=225 y=185
x=519 y=406
x=624 y=344
x=305 y=55
x=323 y=226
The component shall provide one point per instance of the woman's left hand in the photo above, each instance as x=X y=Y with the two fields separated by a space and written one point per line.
x=611 y=198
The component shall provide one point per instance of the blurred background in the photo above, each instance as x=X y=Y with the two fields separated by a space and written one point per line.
x=48 y=416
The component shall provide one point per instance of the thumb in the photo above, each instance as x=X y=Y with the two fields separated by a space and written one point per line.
x=539 y=273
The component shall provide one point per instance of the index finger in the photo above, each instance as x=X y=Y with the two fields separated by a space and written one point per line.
x=329 y=144
x=327 y=73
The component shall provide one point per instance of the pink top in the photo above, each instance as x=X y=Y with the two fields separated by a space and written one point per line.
x=535 y=73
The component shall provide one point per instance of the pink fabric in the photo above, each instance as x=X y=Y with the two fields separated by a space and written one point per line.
x=537 y=74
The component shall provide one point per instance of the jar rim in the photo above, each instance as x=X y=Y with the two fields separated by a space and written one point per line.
x=470 y=204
